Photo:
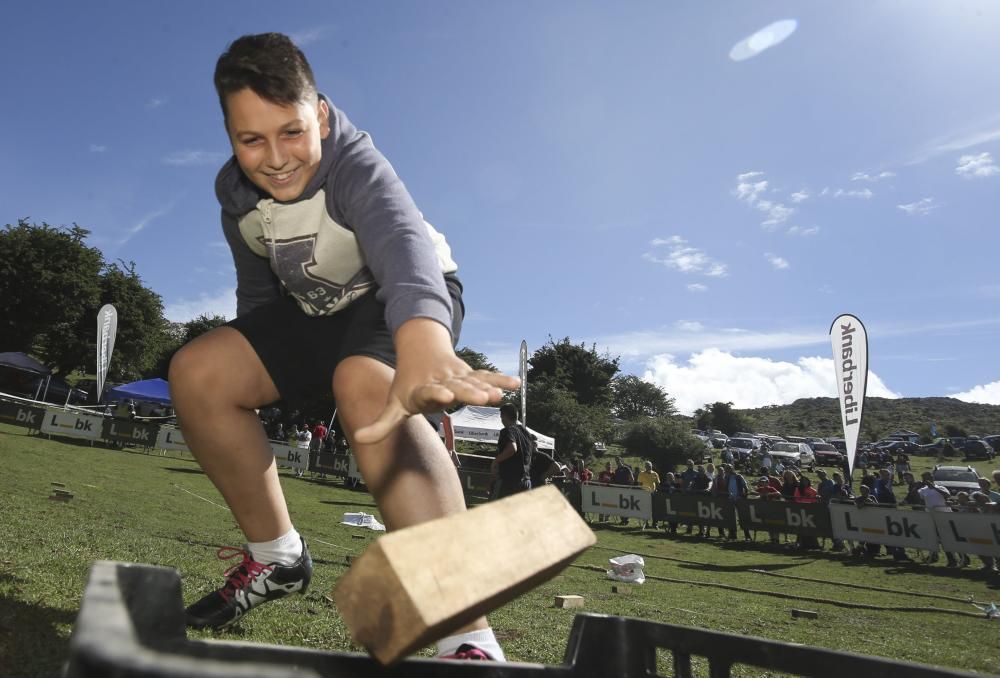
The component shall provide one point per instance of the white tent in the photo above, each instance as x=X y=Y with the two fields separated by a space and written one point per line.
x=482 y=425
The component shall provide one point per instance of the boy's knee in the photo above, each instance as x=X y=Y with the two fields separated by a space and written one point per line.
x=362 y=384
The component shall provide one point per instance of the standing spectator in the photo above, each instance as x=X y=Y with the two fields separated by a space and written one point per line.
x=623 y=476
x=884 y=495
x=736 y=489
x=980 y=503
x=543 y=465
x=513 y=461
x=935 y=498
x=862 y=460
x=727 y=455
x=319 y=435
x=868 y=480
x=765 y=461
x=583 y=472
x=789 y=485
x=826 y=488
x=669 y=486
x=605 y=477
x=304 y=443
x=769 y=491
x=902 y=466
x=865 y=498
x=718 y=488
x=649 y=480
x=710 y=472
x=984 y=487
x=688 y=475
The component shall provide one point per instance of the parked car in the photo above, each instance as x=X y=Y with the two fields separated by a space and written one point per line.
x=839 y=443
x=795 y=454
x=827 y=455
x=956 y=479
x=978 y=449
x=812 y=441
x=903 y=446
x=994 y=442
x=743 y=449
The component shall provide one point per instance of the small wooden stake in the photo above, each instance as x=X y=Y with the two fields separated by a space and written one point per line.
x=569 y=601
x=805 y=614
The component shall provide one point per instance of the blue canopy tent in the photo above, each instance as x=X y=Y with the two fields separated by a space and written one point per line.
x=148 y=390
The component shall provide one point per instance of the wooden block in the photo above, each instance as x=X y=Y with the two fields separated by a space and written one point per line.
x=619 y=588
x=569 y=601
x=415 y=586
x=55 y=484
x=805 y=614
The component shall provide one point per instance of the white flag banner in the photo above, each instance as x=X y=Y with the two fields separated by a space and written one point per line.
x=107 y=328
x=850 y=361
x=522 y=371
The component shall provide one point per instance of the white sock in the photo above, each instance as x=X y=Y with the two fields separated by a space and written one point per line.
x=284 y=550
x=483 y=639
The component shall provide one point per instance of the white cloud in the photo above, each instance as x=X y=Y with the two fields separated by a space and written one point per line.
x=685 y=259
x=749 y=188
x=987 y=393
x=221 y=302
x=713 y=375
x=188 y=158
x=155 y=103
x=958 y=141
x=778 y=263
x=98 y=148
x=799 y=196
x=920 y=207
x=864 y=193
x=697 y=287
x=804 y=232
x=690 y=326
x=872 y=178
x=972 y=166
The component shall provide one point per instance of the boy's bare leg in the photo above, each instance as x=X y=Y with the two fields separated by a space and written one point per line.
x=410 y=463
x=216 y=382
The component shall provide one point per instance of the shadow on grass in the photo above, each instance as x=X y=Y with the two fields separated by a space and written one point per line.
x=30 y=642
x=175 y=469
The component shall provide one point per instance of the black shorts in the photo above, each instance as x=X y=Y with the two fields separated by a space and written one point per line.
x=300 y=352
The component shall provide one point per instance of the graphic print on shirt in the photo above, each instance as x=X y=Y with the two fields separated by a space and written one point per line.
x=294 y=262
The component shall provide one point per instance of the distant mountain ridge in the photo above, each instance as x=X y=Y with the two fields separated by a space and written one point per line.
x=882 y=416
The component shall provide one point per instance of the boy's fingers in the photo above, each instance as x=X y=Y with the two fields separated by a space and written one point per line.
x=498 y=380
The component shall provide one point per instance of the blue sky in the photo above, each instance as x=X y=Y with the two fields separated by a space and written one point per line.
x=603 y=171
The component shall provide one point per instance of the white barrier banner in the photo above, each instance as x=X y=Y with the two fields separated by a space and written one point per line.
x=171 y=439
x=60 y=423
x=975 y=533
x=290 y=456
x=617 y=501
x=892 y=527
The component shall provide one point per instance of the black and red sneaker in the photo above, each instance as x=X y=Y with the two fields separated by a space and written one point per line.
x=468 y=651
x=248 y=584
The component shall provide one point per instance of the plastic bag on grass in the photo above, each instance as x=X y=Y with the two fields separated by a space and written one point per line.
x=627 y=569
x=363 y=520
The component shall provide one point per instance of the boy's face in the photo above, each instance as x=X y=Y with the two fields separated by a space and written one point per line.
x=277 y=146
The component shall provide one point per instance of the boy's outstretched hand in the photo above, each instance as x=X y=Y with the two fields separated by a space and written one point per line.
x=430 y=377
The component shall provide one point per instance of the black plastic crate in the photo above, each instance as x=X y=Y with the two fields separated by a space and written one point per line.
x=131 y=623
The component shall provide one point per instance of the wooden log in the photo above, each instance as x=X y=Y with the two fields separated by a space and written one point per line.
x=619 y=588
x=805 y=614
x=417 y=585
x=569 y=601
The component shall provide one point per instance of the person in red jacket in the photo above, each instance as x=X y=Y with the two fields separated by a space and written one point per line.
x=805 y=493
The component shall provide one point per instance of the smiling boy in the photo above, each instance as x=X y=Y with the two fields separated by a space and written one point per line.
x=341 y=286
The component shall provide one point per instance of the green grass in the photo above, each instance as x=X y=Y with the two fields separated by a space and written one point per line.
x=162 y=510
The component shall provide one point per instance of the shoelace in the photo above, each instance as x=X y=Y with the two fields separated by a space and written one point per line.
x=466 y=651
x=241 y=574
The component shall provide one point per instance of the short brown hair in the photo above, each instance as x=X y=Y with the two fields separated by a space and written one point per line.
x=269 y=64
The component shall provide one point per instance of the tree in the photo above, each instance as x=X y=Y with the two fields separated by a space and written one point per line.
x=577 y=370
x=723 y=417
x=633 y=398
x=200 y=325
x=475 y=359
x=49 y=281
x=664 y=442
x=556 y=412
x=178 y=334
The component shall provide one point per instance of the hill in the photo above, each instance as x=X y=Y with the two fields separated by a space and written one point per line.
x=821 y=416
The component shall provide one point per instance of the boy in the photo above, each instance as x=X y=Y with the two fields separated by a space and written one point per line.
x=340 y=285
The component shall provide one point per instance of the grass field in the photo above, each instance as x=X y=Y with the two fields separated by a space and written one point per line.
x=162 y=510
